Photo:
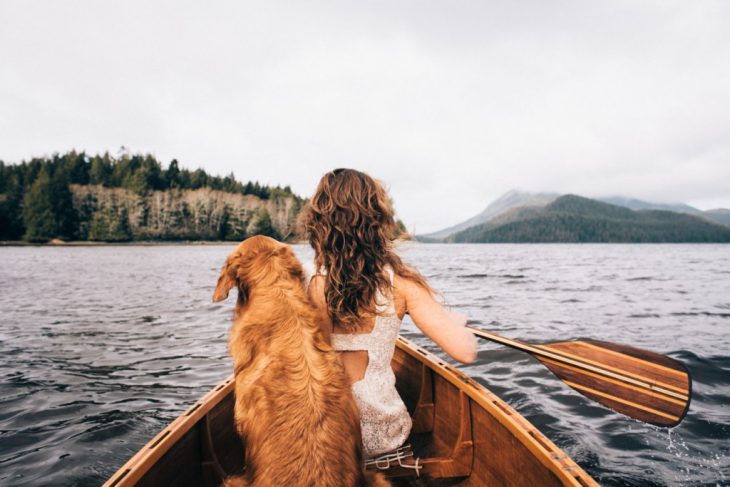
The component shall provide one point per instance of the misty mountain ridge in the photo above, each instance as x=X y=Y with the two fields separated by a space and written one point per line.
x=508 y=201
x=636 y=204
x=548 y=217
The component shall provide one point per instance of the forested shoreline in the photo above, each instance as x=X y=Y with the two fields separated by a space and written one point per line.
x=77 y=197
x=133 y=197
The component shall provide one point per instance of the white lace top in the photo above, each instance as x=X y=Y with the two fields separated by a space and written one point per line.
x=384 y=419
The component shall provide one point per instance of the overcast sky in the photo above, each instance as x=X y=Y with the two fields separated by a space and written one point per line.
x=449 y=103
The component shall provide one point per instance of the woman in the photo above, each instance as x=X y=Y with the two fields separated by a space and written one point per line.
x=365 y=289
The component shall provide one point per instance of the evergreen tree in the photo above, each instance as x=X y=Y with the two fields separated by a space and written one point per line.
x=172 y=175
x=198 y=179
x=224 y=225
x=122 y=171
x=110 y=224
x=48 y=209
x=75 y=166
x=100 y=170
x=144 y=179
x=264 y=226
x=11 y=198
x=229 y=183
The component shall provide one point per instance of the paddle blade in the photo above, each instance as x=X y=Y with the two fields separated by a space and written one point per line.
x=638 y=383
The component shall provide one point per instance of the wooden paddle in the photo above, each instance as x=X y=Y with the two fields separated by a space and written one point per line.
x=640 y=384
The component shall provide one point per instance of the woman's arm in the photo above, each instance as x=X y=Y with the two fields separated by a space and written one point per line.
x=444 y=327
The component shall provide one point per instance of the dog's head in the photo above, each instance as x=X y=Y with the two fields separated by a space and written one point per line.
x=257 y=261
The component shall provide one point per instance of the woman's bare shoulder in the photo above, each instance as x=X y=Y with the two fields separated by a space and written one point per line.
x=403 y=289
x=405 y=286
x=443 y=326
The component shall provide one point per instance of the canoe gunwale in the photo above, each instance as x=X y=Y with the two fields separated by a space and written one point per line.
x=137 y=466
x=537 y=443
x=547 y=453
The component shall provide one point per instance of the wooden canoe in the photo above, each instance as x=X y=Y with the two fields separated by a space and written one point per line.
x=463 y=434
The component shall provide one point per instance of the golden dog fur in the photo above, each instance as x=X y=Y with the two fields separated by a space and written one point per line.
x=294 y=408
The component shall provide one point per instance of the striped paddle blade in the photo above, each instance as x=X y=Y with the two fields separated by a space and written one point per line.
x=641 y=384
x=638 y=383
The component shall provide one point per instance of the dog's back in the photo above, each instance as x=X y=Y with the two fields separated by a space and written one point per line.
x=294 y=407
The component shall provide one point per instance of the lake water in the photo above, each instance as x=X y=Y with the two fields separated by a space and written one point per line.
x=101 y=347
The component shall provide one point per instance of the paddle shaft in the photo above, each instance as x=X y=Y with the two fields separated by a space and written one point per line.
x=535 y=350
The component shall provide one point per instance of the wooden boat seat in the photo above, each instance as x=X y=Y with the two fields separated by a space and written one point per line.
x=441 y=448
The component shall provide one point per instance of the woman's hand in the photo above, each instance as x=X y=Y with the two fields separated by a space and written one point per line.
x=446 y=328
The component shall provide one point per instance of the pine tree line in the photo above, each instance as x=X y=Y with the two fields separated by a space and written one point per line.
x=36 y=203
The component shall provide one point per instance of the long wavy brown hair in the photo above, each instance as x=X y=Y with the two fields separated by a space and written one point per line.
x=351 y=226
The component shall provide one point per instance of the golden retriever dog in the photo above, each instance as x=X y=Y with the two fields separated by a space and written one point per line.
x=294 y=408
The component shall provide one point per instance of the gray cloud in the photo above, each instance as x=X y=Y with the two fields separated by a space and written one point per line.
x=449 y=103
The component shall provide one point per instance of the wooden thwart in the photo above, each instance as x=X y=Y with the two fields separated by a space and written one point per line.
x=638 y=383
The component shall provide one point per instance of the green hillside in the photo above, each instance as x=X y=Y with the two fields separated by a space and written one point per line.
x=573 y=218
x=75 y=196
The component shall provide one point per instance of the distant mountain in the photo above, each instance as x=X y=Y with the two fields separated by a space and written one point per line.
x=720 y=215
x=636 y=204
x=508 y=201
x=573 y=218
x=516 y=205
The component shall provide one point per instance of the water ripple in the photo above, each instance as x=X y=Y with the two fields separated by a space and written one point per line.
x=94 y=366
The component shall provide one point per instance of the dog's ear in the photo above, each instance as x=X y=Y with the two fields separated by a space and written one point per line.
x=227 y=279
x=289 y=262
